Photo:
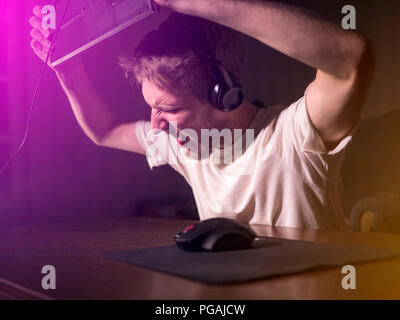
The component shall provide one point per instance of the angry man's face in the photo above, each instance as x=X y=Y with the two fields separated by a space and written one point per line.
x=187 y=112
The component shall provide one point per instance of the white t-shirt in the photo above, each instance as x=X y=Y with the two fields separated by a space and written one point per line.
x=285 y=178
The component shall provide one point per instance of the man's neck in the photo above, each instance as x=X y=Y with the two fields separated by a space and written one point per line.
x=244 y=115
x=240 y=118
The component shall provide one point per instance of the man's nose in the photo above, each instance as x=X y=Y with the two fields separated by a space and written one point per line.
x=158 y=122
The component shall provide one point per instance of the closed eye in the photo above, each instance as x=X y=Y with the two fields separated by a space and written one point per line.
x=172 y=111
x=166 y=110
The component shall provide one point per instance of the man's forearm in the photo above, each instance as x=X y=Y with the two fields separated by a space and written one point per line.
x=290 y=30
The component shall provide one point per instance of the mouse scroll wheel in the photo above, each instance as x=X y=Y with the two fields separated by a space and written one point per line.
x=188 y=228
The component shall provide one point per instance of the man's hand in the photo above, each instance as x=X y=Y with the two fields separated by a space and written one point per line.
x=177 y=5
x=40 y=42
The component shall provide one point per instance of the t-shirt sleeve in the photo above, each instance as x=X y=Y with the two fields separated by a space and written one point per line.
x=159 y=149
x=151 y=143
x=303 y=149
x=307 y=135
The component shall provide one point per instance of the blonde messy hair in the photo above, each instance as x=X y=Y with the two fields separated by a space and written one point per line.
x=170 y=57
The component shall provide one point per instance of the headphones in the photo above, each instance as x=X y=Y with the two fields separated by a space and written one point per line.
x=225 y=92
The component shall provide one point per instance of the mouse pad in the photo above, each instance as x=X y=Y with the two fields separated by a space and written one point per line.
x=271 y=257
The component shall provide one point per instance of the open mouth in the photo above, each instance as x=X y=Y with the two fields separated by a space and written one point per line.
x=180 y=142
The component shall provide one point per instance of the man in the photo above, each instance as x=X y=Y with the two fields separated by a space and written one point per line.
x=291 y=171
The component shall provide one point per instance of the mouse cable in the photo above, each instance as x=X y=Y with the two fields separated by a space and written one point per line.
x=4 y=167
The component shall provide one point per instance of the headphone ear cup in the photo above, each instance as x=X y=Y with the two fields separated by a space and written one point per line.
x=214 y=94
x=232 y=99
x=234 y=95
x=231 y=95
x=225 y=92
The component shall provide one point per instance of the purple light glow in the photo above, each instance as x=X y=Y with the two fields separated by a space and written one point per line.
x=60 y=174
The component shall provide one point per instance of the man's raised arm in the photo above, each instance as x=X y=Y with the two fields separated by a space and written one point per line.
x=88 y=106
x=93 y=114
x=343 y=59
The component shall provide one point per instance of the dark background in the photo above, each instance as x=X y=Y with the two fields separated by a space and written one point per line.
x=62 y=176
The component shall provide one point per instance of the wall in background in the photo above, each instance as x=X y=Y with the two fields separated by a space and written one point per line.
x=13 y=186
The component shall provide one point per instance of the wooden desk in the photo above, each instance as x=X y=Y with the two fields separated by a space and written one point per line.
x=82 y=273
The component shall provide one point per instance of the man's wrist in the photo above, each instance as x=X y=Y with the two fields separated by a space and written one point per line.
x=206 y=9
x=71 y=73
x=70 y=67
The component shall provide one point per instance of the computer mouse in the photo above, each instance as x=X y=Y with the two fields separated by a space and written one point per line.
x=216 y=234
